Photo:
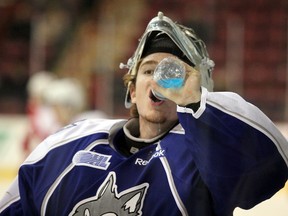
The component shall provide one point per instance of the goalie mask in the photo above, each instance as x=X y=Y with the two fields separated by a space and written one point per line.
x=193 y=50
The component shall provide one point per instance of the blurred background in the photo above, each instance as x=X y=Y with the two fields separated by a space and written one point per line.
x=86 y=40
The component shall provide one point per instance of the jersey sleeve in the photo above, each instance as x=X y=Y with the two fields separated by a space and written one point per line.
x=19 y=198
x=10 y=203
x=240 y=154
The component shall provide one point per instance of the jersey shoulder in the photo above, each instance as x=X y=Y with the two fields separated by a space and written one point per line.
x=69 y=133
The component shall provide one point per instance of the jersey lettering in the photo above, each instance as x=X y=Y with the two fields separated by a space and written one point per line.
x=142 y=162
x=92 y=159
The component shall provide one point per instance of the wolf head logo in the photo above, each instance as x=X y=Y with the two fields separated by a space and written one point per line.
x=107 y=201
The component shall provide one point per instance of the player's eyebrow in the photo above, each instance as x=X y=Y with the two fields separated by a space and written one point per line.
x=148 y=62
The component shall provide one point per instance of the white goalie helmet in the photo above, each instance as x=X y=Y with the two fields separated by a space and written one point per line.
x=185 y=39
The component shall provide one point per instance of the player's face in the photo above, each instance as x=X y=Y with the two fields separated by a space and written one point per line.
x=149 y=108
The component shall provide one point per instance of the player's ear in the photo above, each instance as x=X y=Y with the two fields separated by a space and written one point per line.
x=132 y=91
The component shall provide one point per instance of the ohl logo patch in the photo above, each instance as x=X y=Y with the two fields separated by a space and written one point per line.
x=108 y=202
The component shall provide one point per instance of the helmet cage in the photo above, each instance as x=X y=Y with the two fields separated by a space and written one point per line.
x=186 y=39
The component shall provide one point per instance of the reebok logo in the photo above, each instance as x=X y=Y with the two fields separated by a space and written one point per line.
x=142 y=162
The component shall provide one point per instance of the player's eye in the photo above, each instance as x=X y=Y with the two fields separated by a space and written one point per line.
x=149 y=72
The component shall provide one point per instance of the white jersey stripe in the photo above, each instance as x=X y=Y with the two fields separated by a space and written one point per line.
x=63 y=174
x=172 y=186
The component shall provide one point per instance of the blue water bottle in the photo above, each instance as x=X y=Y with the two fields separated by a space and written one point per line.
x=169 y=73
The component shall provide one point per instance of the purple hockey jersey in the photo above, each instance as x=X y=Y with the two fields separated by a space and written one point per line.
x=227 y=154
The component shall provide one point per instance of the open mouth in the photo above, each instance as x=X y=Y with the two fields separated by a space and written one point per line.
x=153 y=98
